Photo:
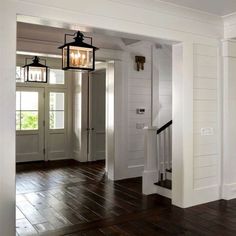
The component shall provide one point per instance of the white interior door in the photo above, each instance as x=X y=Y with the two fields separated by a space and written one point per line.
x=29 y=124
x=97 y=111
x=56 y=124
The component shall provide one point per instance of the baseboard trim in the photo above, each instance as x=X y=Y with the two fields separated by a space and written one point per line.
x=135 y=171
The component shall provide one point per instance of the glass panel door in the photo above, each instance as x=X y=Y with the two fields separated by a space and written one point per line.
x=29 y=124
x=56 y=124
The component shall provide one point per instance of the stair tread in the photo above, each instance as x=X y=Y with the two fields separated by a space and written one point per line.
x=165 y=184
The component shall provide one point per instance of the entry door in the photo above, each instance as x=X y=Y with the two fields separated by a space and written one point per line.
x=29 y=124
x=97 y=93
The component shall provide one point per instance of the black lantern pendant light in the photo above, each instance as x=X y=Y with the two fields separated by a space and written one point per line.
x=35 y=71
x=78 y=55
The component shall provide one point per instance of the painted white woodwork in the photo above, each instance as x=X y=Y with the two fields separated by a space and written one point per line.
x=151 y=14
x=30 y=143
x=80 y=118
x=7 y=117
x=97 y=115
x=229 y=26
x=206 y=101
x=150 y=173
x=229 y=114
x=216 y=7
x=80 y=152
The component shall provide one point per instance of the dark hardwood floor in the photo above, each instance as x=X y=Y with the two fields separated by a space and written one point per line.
x=67 y=198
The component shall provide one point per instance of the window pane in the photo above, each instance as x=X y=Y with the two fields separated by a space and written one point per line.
x=29 y=120
x=17 y=120
x=57 y=101
x=29 y=101
x=56 y=76
x=37 y=74
x=56 y=119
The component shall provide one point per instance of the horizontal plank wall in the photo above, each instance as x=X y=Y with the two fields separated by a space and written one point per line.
x=164 y=62
x=139 y=96
x=206 y=148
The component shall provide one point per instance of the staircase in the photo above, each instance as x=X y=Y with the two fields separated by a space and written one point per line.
x=157 y=175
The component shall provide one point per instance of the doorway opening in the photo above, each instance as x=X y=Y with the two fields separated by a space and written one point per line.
x=80 y=117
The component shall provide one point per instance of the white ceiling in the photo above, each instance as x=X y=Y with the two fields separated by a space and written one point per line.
x=217 y=7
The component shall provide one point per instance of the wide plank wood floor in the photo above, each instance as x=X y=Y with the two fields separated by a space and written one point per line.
x=68 y=198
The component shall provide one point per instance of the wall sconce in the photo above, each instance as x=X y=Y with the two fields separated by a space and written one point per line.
x=140 y=60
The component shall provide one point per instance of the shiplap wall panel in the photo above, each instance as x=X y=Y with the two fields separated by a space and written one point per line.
x=205 y=105
x=165 y=84
x=139 y=88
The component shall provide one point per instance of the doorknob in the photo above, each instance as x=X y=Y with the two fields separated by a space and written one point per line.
x=88 y=129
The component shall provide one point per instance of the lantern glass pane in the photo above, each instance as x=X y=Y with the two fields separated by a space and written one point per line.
x=81 y=57
x=37 y=74
x=64 y=57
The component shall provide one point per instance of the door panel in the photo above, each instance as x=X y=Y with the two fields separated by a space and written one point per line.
x=56 y=125
x=29 y=124
x=97 y=115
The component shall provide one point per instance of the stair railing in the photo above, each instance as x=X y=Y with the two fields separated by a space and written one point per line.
x=152 y=163
x=164 y=152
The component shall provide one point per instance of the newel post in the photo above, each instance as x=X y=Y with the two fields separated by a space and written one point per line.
x=150 y=173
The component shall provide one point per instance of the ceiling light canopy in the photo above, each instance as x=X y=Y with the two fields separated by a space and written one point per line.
x=78 y=55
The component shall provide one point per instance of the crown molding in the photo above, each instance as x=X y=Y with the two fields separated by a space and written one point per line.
x=173 y=9
x=229 y=26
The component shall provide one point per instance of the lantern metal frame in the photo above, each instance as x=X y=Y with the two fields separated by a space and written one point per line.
x=36 y=64
x=78 y=42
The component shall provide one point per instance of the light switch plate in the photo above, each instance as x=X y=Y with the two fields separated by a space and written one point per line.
x=207 y=131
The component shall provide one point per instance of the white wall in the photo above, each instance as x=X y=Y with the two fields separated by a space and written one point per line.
x=139 y=96
x=206 y=108
x=164 y=60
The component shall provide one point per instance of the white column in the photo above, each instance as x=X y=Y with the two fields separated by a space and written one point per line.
x=150 y=173
x=7 y=117
x=229 y=119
